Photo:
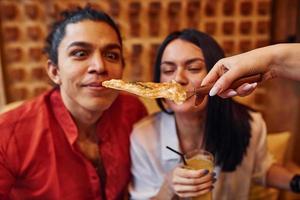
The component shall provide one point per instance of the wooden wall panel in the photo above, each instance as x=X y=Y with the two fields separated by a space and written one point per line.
x=23 y=33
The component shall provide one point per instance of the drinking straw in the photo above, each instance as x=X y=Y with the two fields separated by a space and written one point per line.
x=181 y=154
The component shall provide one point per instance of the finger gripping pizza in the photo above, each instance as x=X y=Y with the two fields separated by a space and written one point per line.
x=171 y=90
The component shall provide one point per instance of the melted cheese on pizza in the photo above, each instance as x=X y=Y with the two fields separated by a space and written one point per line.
x=172 y=90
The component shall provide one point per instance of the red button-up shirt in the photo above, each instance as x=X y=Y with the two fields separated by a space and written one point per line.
x=39 y=160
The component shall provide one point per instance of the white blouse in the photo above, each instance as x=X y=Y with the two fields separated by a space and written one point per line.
x=151 y=160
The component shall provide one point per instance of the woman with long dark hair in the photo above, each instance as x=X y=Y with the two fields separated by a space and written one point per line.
x=232 y=132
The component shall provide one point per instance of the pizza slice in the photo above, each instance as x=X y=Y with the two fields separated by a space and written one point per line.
x=172 y=90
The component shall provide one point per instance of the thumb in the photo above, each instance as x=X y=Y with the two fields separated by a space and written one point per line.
x=211 y=77
x=223 y=83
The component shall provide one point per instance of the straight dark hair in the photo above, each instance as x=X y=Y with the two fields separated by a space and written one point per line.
x=227 y=127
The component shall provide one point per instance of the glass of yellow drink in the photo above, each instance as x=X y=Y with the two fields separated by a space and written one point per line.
x=200 y=159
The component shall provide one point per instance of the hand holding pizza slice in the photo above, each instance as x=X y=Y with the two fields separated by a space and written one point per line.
x=172 y=90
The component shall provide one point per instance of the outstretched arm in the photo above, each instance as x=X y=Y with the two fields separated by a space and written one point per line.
x=281 y=60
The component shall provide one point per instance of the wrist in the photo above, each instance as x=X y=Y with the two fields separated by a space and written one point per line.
x=168 y=183
x=277 y=60
x=165 y=192
x=295 y=183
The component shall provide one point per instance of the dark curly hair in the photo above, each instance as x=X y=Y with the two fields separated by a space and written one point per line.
x=73 y=16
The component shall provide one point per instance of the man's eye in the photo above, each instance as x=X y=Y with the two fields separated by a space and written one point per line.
x=79 y=54
x=112 y=56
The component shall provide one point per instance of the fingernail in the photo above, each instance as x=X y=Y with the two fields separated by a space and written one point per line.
x=231 y=93
x=214 y=91
x=254 y=85
x=214 y=174
x=206 y=171
x=247 y=87
x=214 y=180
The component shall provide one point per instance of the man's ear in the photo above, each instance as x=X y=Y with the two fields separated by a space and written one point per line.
x=53 y=72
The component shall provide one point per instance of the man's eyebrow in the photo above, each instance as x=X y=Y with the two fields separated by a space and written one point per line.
x=79 y=44
x=88 y=45
x=112 y=46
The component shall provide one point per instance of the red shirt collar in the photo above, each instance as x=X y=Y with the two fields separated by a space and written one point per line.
x=64 y=118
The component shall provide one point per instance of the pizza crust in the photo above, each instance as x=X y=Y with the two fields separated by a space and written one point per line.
x=171 y=90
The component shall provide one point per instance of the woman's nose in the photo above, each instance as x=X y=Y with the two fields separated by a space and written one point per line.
x=181 y=77
x=97 y=65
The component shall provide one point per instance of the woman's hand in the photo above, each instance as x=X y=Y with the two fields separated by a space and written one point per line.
x=280 y=60
x=227 y=70
x=191 y=183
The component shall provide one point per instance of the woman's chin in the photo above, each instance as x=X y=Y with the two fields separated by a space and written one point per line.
x=185 y=107
x=188 y=106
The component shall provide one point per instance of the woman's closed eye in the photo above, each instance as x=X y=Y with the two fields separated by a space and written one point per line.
x=168 y=71
x=194 y=69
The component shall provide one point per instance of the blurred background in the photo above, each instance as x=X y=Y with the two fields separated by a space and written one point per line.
x=238 y=26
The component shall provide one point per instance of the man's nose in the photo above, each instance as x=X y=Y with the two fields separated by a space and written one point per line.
x=97 y=65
